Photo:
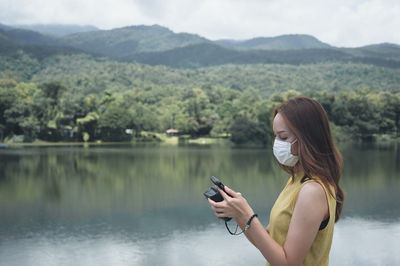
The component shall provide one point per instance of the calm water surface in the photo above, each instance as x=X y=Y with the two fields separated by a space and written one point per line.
x=143 y=205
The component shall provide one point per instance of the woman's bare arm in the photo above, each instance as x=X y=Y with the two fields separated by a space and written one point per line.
x=310 y=209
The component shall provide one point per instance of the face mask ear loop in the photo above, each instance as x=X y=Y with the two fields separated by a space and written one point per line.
x=294 y=141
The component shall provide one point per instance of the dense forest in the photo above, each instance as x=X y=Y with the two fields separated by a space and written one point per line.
x=54 y=112
x=54 y=92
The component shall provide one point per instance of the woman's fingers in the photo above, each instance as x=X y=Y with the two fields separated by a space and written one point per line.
x=217 y=207
x=223 y=194
x=230 y=206
x=216 y=204
x=230 y=192
x=220 y=215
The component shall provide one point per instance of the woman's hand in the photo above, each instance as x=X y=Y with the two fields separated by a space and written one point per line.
x=235 y=207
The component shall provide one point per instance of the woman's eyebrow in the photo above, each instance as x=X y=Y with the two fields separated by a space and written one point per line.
x=281 y=131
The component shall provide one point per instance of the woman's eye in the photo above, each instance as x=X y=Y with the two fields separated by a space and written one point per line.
x=283 y=138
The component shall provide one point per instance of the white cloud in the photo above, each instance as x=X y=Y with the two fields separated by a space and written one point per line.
x=338 y=22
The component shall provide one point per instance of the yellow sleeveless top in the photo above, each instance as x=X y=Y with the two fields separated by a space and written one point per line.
x=281 y=214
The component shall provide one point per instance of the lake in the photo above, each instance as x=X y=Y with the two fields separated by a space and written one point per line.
x=143 y=205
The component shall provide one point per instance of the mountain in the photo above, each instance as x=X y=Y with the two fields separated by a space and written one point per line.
x=28 y=37
x=283 y=42
x=5 y=40
x=5 y=27
x=197 y=55
x=40 y=46
x=57 y=30
x=157 y=45
x=122 y=42
x=383 y=50
x=201 y=55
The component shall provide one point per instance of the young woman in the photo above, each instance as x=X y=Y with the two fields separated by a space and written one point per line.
x=303 y=217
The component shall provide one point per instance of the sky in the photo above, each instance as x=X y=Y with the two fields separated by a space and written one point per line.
x=343 y=23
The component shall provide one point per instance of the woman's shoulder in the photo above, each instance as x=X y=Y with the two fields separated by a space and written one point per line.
x=312 y=190
x=313 y=194
x=317 y=187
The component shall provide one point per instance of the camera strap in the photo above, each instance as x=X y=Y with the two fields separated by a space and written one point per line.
x=233 y=233
x=237 y=226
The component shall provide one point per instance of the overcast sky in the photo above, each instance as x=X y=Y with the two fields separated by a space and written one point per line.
x=346 y=23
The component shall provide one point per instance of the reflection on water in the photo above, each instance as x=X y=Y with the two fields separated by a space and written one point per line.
x=144 y=205
x=365 y=242
x=356 y=242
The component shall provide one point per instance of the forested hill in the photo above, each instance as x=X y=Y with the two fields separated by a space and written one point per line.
x=5 y=27
x=56 y=29
x=17 y=41
x=13 y=36
x=27 y=56
x=157 y=45
x=283 y=42
x=202 y=55
x=127 y=41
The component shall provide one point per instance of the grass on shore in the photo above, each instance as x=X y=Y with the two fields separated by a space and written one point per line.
x=145 y=137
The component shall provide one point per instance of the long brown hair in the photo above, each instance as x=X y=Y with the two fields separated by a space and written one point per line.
x=318 y=156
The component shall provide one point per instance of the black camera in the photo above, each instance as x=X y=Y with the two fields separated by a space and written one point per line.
x=213 y=194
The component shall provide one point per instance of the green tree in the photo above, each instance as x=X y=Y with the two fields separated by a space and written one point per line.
x=357 y=113
x=22 y=116
x=389 y=112
x=7 y=99
x=88 y=124
x=244 y=130
x=113 y=123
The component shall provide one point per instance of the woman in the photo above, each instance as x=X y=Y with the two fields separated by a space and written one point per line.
x=303 y=217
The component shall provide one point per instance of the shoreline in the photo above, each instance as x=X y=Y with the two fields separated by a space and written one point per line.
x=170 y=141
x=174 y=141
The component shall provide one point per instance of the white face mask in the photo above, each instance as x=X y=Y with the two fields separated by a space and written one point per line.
x=282 y=152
